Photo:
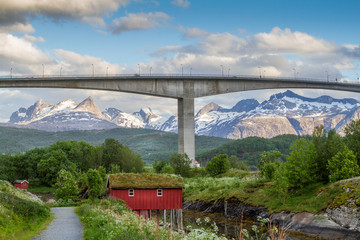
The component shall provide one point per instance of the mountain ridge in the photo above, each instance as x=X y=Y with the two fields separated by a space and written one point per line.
x=283 y=113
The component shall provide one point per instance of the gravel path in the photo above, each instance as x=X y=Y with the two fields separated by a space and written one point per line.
x=65 y=226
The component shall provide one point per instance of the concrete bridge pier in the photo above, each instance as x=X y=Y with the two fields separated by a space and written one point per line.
x=186 y=127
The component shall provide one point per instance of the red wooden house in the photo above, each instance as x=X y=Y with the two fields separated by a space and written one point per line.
x=22 y=184
x=146 y=192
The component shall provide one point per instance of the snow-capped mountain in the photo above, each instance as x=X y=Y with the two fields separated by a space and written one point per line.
x=282 y=113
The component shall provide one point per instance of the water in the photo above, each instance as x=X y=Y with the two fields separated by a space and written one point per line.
x=230 y=228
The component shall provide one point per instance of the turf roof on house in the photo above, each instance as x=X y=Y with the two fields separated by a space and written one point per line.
x=144 y=180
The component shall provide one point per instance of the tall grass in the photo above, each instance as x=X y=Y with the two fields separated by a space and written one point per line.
x=112 y=220
x=21 y=214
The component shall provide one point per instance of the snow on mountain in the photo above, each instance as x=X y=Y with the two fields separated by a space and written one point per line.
x=282 y=113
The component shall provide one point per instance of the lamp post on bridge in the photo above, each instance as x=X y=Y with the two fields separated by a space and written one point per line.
x=107 y=71
x=327 y=76
x=229 y=72
x=150 y=70
x=11 y=69
x=93 y=70
x=182 y=70
x=259 y=71
x=60 y=70
x=43 y=70
x=190 y=70
x=357 y=76
x=139 y=68
x=222 y=70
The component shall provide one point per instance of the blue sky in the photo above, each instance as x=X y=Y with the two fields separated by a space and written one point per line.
x=282 y=37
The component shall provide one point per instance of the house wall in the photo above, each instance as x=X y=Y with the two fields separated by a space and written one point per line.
x=148 y=199
x=23 y=185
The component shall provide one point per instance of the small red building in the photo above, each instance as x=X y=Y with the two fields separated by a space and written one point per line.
x=145 y=192
x=22 y=184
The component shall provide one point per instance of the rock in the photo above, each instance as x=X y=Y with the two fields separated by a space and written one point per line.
x=51 y=202
x=345 y=216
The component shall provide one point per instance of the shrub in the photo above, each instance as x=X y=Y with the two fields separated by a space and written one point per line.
x=218 y=165
x=66 y=187
x=268 y=163
x=181 y=164
x=343 y=165
x=167 y=169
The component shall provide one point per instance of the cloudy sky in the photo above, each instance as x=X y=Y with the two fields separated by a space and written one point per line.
x=306 y=38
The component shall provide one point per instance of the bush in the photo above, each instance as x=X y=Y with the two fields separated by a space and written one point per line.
x=269 y=161
x=167 y=169
x=66 y=187
x=218 y=165
x=343 y=165
x=181 y=164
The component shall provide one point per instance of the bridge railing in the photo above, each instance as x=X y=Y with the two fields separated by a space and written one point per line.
x=174 y=75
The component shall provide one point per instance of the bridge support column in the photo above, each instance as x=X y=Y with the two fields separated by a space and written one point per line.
x=186 y=127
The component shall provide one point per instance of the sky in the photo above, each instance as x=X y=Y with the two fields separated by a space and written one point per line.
x=279 y=38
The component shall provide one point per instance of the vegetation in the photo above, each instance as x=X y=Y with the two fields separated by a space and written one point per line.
x=145 y=180
x=149 y=144
x=218 y=165
x=75 y=157
x=181 y=164
x=21 y=215
x=249 y=150
x=112 y=220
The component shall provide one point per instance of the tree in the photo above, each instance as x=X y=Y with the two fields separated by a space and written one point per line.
x=301 y=165
x=218 y=165
x=95 y=183
x=66 y=187
x=159 y=165
x=181 y=164
x=269 y=161
x=352 y=138
x=327 y=145
x=111 y=149
x=343 y=165
x=167 y=169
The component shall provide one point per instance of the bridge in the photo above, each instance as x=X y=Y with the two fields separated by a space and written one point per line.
x=183 y=88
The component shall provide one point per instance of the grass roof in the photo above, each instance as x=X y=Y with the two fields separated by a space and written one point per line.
x=144 y=180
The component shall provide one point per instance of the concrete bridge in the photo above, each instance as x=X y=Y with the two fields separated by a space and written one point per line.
x=184 y=88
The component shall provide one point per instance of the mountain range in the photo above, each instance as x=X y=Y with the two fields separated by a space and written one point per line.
x=282 y=113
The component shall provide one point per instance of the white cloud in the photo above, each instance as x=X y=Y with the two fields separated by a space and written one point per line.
x=15 y=14
x=138 y=22
x=195 y=32
x=181 y=3
x=17 y=28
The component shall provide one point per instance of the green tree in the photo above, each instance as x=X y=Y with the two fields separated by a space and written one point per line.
x=159 y=165
x=352 y=138
x=167 y=169
x=301 y=165
x=343 y=165
x=181 y=164
x=234 y=161
x=95 y=184
x=111 y=149
x=66 y=186
x=269 y=161
x=281 y=183
x=218 y=165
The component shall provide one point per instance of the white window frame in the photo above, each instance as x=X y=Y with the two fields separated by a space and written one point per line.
x=131 y=192
x=159 y=192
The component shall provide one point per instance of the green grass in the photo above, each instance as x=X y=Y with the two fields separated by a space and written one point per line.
x=41 y=189
x=258 y=192
x=21 y=215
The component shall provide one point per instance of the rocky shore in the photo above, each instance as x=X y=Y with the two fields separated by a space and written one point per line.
x=337 y=223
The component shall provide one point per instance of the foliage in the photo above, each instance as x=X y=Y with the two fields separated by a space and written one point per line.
x=95 y=183
x=269 y=161
x=158 y=165
x=301 y=164
x=249 y=150
x=66 y=187
x=167 y=170
x=265 y=230
x=352 y=138
x=181 y=164
x=20 y=212
x=218 y=165
x=343 y=165
x=112 y=220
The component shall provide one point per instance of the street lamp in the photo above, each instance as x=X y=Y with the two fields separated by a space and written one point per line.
x=139 y=68
x=43 y=70
x=229 y=72
x=182 y=70
x=60 y=70
x=10 y=72
x=107 y=71
x=222 y=70
x=150 y=70
x=190 y=71
x=357 y=76
x=259 y=71
x=93 y=70
x=327 y=76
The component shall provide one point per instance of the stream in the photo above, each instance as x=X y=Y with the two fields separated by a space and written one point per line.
x=230 y=228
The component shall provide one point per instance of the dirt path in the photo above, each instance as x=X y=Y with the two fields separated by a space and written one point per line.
x=65 y=226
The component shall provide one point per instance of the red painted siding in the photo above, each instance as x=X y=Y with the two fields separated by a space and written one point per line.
x=148 y=199
x=22 y=185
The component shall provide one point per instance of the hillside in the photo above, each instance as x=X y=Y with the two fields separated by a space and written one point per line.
x=150 y=144
x=250 y=149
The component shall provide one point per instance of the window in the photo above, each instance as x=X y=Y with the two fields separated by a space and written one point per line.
x=131 y=192
x=159 y=192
